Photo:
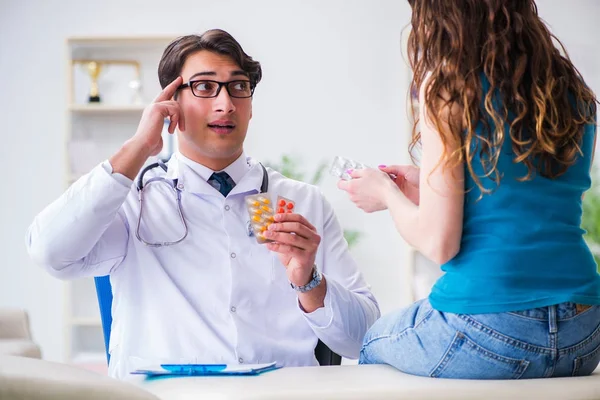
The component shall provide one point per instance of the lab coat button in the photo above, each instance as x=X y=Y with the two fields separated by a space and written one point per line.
x=227 y=208
x=232 y=309
x=233 y=255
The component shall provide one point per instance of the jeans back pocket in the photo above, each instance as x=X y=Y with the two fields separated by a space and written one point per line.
x=586 y=364
x=465 y=358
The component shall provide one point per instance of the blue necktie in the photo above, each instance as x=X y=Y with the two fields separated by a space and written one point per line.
x=222 y=182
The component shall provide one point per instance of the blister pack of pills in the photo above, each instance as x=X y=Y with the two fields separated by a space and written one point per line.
x=285 y=205
x=341 y=165
x=261 y=212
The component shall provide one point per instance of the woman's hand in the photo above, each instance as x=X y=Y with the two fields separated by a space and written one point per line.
x=368 y=188
x=407 y=180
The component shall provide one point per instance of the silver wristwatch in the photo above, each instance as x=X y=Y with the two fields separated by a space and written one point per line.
x=317 y=277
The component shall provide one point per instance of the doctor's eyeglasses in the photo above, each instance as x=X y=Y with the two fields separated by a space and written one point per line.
x=240 y=89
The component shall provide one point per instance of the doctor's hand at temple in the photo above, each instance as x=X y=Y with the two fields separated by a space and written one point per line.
x=147 y=140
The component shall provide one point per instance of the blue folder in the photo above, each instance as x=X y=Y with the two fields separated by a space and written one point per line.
x=205 y=369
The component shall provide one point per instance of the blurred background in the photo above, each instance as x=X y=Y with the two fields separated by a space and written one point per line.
x=335 y=83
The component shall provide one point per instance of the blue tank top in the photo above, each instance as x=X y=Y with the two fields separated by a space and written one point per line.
x=522 y=245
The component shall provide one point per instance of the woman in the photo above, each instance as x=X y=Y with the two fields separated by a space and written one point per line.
x=507 y=132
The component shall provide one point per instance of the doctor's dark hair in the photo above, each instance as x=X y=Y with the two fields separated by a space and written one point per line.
x=214 y=40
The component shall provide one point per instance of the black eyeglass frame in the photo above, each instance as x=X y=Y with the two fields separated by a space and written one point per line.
x=220 y=84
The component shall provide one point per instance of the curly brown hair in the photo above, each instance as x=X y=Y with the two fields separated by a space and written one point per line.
x=542 y=95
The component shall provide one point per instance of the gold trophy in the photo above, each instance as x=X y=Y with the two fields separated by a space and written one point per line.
x=94 y=69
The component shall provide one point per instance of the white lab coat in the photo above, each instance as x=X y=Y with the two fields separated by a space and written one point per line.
x=216 y=297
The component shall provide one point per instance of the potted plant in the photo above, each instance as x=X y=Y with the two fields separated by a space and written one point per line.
x=590 y=220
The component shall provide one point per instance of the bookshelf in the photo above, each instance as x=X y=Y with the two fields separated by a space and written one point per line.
x=126 y=82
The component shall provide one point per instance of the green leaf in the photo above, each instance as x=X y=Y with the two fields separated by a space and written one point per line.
x=590 y=220
x=318 y=175
x=352 y=237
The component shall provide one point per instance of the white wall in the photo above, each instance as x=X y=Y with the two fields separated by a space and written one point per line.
x=345 y=55
x=575 y=23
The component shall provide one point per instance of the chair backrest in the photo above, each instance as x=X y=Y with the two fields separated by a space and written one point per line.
x=105 y=297
x=323 y=354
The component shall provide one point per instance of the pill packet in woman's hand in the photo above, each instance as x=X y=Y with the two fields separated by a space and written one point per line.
x=340 y=166
x=261 y=212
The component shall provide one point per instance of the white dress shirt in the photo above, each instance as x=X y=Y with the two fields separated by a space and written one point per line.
x=217 y=296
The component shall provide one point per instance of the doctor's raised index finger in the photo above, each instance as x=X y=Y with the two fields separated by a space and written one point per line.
x=169 y=90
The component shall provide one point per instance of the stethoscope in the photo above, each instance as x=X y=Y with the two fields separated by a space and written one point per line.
x=172 y=183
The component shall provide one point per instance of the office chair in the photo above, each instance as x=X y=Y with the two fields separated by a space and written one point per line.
x=323 y=354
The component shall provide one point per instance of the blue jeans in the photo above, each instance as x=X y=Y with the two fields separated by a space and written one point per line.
x=559 y=340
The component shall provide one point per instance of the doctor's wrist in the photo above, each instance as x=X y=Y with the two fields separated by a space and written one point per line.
x=313 y=281
x=314 y=298
x=139 y=146
x=301 y=278
x=130 y=158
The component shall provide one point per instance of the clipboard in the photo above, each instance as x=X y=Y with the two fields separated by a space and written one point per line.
x=205 y=369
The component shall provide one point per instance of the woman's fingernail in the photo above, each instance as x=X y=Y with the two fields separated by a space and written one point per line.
x=382 y=166
x=349 y=171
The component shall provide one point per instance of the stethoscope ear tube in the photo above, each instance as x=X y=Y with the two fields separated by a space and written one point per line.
x=140 y=182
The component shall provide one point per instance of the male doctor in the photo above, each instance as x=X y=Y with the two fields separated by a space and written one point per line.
x=197 y=286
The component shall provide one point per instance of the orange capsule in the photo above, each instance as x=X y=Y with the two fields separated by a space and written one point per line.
x=280 y=210
x=290 y=206
x=289 y=211
x=281 y=203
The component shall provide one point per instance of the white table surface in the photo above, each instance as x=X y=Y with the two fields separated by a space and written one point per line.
x=351 y=382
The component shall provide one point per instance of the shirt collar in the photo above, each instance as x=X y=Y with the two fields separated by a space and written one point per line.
x=236 y=170
x=245 y=172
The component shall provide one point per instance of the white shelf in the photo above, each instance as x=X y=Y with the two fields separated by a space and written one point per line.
x=112 y=42
x=99 y=109
x=94 y=131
